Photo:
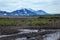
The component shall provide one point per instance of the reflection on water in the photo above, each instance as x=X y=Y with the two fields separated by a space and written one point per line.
x=52 y=36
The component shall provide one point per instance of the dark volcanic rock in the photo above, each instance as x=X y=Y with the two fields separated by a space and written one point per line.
x=8 y=32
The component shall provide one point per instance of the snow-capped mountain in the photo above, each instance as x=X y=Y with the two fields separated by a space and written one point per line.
x=2 y=13
x=41 y=12
x=23 y=12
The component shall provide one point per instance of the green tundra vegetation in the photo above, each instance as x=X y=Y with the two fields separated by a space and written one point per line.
x=28 y=21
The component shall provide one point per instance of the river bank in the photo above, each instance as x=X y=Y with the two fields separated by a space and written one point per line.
x=30 y=34
x=45 y=26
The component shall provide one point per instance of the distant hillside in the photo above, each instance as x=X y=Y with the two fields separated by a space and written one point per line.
x=41 y=12
x=23 y=12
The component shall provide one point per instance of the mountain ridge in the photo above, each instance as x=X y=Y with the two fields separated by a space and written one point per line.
x=23 y=12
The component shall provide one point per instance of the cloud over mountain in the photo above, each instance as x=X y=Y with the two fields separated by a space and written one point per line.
x=50 y=6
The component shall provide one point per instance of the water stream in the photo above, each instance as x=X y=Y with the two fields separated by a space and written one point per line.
x=53 y=36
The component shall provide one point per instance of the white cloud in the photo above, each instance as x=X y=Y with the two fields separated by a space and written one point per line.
x=47 y=5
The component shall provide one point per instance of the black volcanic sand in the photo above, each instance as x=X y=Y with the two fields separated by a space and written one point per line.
x=8 y=32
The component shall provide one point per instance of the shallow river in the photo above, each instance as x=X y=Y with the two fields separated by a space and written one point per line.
x=53 y=36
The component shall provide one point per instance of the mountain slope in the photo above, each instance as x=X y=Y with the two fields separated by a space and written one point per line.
x=23 y=12
x=41 y=12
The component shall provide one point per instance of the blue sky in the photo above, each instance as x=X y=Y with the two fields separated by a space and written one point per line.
x=50 y=6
